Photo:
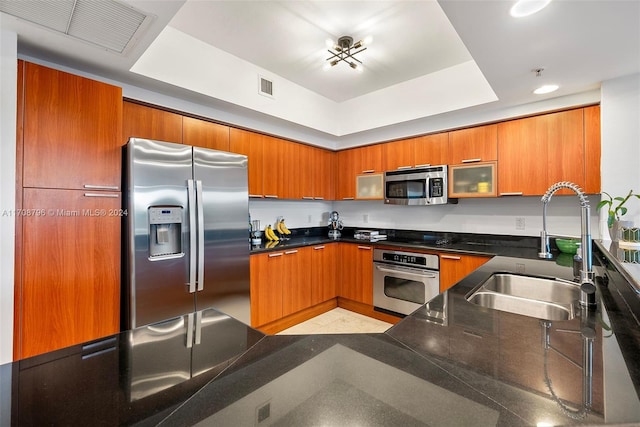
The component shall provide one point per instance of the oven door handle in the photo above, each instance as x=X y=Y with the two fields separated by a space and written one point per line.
x=406 y=270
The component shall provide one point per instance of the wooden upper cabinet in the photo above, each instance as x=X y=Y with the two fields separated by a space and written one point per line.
x=476 y=144
x=432 y=150
x=250 y=144
x=141 y=121
x=565 y=148
x=398 y=155
x=592 y=149
x=353 y=162
x=72 y=131
x=201 y=133
x=281 y=169
x=316 y=172
x=522 y=157
x=536 y=152
x=70 y=291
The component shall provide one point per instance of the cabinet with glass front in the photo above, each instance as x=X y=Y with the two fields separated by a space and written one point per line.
x=473 y=180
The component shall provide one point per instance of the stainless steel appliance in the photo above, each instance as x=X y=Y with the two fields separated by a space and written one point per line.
x=417 y=186
x=404 y=281
x=187 y=244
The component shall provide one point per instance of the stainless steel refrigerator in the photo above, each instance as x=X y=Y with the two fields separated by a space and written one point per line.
x=187 y=232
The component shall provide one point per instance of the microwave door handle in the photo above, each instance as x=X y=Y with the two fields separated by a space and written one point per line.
x=200 y=204
x=427 y=190
x=191 y=192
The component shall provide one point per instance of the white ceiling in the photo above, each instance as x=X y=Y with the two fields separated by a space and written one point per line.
x=426 y=59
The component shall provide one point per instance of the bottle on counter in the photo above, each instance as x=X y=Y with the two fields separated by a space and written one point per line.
x=577 y=262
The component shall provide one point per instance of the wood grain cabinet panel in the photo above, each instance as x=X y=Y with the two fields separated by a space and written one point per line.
x=592 y=151
x=141 y=121
x=72 y=130
x=296 y=286
x=398 y=154
x=201 y=133
x=454 y=268
x=432 y=150
x=250 y=144
x=356 y=272
x=324 y=262
x=476 y=144
x=353 y=162
x=266 y=287
x=71 y=269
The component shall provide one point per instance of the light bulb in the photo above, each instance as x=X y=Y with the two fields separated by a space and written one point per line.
x=545 y=89
x=524 y=8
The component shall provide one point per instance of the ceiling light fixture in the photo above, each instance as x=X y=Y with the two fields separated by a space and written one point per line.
x=345 y=50
x=544 y=88
x=524 y=8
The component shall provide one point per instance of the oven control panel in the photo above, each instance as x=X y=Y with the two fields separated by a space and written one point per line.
x=409 y=259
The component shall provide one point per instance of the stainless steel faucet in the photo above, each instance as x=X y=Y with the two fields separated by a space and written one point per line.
x=587 y=296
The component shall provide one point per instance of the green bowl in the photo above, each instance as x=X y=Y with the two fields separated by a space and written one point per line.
x=567 y=246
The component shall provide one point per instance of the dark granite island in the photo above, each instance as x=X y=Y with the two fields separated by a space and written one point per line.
x=449 y=363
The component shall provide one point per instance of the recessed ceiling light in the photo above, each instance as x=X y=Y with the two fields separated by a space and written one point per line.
x=545 y=89
x=524 y=8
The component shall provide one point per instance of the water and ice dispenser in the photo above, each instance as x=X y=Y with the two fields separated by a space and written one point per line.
x=165 y=231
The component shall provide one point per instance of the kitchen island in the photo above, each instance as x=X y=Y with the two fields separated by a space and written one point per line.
x=449 y=363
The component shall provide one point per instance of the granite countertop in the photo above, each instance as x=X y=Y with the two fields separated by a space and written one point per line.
x=449 y=363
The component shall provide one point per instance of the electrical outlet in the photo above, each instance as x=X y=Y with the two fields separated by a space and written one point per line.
x=365 y=218
x=519 y=223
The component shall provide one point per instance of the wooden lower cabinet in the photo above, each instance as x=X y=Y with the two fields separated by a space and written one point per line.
x=356 y=272
x=455 y=267
x=70 y=289
x=289 y=281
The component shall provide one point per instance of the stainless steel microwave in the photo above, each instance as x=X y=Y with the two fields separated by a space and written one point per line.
x=417 y=186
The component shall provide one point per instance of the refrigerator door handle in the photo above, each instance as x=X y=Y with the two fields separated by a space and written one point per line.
x=189 y=342
x=200 y=204
x=198 y=338
x=192 y=235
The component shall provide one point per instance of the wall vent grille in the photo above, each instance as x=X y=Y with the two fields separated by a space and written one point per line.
x=108 y=24
x=265 y=87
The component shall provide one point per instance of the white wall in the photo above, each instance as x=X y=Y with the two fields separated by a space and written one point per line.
x=8 y=85
x=620 y=110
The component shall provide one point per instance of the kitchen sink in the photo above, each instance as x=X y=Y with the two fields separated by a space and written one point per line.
x=533 y=296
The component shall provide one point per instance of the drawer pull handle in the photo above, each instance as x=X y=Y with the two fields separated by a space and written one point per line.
x=270 y=196
x=275 y=255
x=318 y=247
x=307 y=197
x=456 y=258
x=369 y=171
x=367 y=248
x=348 y=198
x=514 y=193
x=424 y=165
x=291 y=252
x=115 y=196
x=403 y=167
x=471 y=160
x=318 y=198
x=101 y=187
x=256 y=196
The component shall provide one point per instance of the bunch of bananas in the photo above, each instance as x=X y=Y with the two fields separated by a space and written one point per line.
x=270 y=234
x=282 y=228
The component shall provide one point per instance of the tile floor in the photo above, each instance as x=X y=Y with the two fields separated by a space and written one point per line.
x=338 y=321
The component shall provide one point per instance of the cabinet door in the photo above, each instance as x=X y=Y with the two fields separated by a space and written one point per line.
x=565 y=148
x=324 y=173
x=346 y=174
x=201 y=133
x=281 y=169
x=522 y=157
x=454 y=268
x=251 y=145
x=356 y=267
x=592 y=149
x=71 y=269
x=140 y=121
x=324 y=260
x=72 y=131
x=266 y=287
x=296 y=277
x=308 y=158
x=476 y=144
x=432 y=150
x=398 y=154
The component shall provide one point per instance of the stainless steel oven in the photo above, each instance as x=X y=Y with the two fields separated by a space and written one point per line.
x=404 y=281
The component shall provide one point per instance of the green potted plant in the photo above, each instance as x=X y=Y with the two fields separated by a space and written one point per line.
x=615 y=211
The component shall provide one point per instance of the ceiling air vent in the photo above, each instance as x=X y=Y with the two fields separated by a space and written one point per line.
x=106 y=23
x=265 y=87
